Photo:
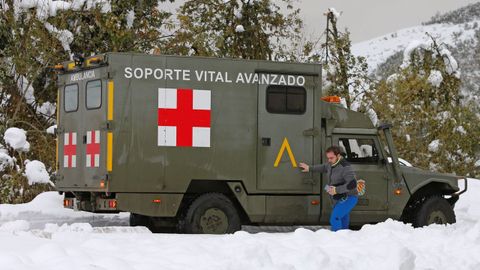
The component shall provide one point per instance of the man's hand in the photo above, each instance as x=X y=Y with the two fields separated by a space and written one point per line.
x=331 y=190
x=304 y=166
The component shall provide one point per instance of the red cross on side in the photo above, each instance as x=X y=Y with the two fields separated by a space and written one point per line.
x=184 y=117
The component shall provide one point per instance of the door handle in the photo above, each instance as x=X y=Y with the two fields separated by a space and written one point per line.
x=310 y=132
x=266 y=141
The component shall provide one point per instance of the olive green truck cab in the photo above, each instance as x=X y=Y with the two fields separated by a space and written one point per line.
x=204 y=145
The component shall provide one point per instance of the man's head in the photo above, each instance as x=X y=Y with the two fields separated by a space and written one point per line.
x=333 y=154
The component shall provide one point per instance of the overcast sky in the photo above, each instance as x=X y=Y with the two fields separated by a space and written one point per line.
x=367 y=19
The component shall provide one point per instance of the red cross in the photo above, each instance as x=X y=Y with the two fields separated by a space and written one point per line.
x=70 y=149
x=184 y=117
x=93 y=148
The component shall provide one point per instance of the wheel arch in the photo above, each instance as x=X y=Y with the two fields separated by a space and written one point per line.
x=428 y=188
x=198 y=187
x=434 y=186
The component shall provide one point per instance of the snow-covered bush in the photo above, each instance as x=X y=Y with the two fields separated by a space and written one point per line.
x=434 y=125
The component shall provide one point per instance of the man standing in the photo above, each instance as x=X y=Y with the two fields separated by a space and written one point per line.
x=342 y=186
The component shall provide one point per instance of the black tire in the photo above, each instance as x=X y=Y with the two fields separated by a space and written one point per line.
x=434 y=210
x=211 y=213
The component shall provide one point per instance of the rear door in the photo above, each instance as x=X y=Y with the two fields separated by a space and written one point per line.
x=82 y=130
x=94 y=133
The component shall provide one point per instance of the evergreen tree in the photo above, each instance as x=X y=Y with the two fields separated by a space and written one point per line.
x=236 y=28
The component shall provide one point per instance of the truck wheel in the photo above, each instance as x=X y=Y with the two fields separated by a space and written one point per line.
x=211 y=213
x=434 y=210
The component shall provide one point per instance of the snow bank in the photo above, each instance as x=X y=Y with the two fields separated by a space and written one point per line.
x=48 y=207
x=387 y=245
x=17 y=139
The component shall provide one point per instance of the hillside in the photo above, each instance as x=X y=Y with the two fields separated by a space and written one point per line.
x=459 y=30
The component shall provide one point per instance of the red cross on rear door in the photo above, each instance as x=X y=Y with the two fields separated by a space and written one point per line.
x=93 y=149
x=70 y=150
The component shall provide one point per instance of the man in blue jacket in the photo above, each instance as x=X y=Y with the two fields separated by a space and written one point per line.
x=342 y=186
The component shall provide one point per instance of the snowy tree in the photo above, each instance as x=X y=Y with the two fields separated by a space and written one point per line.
x=435 y=127
x=245 y=29
x=36 y=35
x=345 y=74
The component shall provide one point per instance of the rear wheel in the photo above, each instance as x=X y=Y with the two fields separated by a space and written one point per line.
x=211 y=213
x=434 y=210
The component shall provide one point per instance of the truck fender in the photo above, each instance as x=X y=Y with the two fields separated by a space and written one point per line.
x=434 y=184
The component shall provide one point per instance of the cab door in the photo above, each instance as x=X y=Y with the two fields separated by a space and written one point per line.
x=285 y=137
x=362 y=151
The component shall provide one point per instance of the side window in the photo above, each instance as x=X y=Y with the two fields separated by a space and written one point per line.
x=94 y=94
x=359 y=150
x=286 y=99
x=70 y=98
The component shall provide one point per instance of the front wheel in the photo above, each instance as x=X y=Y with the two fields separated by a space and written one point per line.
x=211 y=213
x=434 y=210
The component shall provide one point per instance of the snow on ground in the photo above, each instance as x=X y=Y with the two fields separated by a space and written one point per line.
x=25 y=244
x=48 y=208
x=379 y=49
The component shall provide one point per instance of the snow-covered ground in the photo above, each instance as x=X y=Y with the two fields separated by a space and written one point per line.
x=33 y=236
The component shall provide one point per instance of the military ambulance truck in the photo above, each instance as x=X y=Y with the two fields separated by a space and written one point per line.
x=204 y=145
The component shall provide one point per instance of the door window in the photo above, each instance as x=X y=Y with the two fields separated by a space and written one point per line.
x=70 y=95
x=359 y=150
x=286 y=99
x=94 y=94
